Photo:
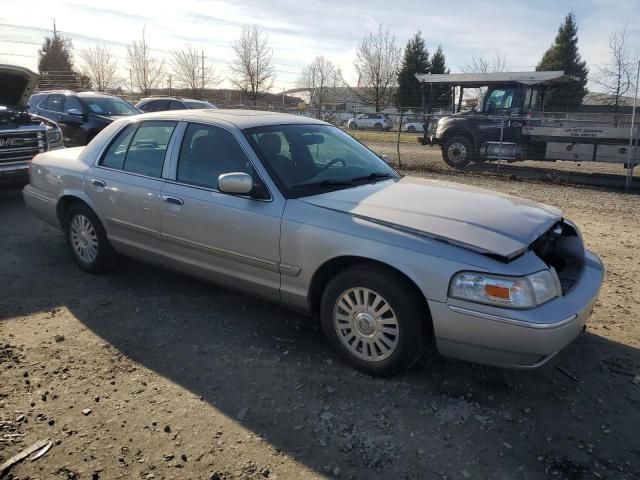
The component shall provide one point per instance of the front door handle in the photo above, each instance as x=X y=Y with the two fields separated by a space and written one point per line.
x=173 y=200
x=98 y=183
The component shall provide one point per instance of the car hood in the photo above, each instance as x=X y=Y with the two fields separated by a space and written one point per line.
x=17 y=85
x=473 y=218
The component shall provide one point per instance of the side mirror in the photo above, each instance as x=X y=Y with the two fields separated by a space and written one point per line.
x=74 y=112
x=385 y=158
x=237 y=183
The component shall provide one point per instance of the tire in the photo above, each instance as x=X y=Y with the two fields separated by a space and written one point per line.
x=411 y=129
x=87 y=240
x=458 y=152
x=353 y=126
x=403 y=311
x=378 y=126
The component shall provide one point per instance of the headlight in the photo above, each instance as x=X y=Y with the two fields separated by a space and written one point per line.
x=514 y=292
x=54 y=136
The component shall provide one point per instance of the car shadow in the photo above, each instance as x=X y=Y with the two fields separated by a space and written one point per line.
x=240 y=354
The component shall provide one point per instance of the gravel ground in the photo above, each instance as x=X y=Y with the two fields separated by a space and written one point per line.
x=143 y=373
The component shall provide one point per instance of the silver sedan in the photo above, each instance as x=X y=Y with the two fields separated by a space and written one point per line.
x=296 y=211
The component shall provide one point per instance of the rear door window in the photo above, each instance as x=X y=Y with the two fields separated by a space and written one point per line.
x=140 y=149
x=176 y=105
x=54 y=103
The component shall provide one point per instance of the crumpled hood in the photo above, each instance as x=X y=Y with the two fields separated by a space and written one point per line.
x=474 y=218
x=16 y=83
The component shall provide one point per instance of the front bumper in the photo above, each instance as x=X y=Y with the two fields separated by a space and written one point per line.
x=517 y=338
x=10 y=171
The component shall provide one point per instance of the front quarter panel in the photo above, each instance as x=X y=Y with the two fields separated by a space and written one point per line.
x=312 y=236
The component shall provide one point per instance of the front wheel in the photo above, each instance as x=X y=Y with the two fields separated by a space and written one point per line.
x=411 y=129
x=458 y=152
x=374 y=320
x=378 y=126
x=87 y=240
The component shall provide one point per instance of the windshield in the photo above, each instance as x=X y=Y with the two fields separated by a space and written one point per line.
x=308 y=159
x=110 y=106
x=198 y=104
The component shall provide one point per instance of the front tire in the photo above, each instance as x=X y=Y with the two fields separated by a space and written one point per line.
x=87 y=240
x=458 y=152
x=411 y=129
x=378 y=126
x=374 y=320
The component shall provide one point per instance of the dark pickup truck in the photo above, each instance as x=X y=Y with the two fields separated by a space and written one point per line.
x=22 y=135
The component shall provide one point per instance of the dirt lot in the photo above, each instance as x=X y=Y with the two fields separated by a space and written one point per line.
x=143 y=373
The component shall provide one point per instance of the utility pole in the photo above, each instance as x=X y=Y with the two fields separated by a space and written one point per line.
x=169 y=85
x=202 y=51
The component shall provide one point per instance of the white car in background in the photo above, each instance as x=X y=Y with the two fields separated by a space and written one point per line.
x=415 y=126
x=374 y=121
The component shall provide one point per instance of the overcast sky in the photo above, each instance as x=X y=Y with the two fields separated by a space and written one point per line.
x=300 y=30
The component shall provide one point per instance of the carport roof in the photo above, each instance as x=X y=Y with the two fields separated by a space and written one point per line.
x=474 y=80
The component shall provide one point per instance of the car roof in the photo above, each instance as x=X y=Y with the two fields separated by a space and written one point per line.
x=240 y=118
x=180 y=99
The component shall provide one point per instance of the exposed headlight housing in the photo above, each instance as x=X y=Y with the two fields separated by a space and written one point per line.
x=510 y=292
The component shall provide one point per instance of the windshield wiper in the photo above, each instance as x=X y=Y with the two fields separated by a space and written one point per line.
x=373 y=176
x=323 y=183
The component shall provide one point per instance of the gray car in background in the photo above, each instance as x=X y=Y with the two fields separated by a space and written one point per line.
x=296 y=211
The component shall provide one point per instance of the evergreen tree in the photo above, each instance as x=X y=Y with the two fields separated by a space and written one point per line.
x=441 y=94
x=55 y=63
x=416 y=60
x=563 y=55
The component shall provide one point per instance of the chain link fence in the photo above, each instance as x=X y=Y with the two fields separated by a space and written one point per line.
x=580 y=149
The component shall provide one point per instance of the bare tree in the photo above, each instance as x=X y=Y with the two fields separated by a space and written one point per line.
x=497 y=63
x=191 y=71
x=145 y=70
x=100 y=66
x=377 y=62
x=615 y=78
x=252 y=68
x=322 y=78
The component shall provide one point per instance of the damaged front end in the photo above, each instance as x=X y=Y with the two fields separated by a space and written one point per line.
x=561 y=248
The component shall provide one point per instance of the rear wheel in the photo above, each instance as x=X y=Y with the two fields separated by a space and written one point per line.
x=353 y=126
x=374 y=320
x=458 y=152
x=87 y=240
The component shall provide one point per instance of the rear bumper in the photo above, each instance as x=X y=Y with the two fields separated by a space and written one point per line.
x=522 y=339
x=41 y=204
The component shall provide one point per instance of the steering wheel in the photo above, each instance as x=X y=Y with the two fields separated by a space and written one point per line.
x=333 y=162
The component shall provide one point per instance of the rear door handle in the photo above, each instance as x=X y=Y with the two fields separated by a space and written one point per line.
x=173 y=200
x=98 y=183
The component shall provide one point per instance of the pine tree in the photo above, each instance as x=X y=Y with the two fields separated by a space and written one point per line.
x=55 y=63
x=563 y=55
x=441 y=94
x=416 y=60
